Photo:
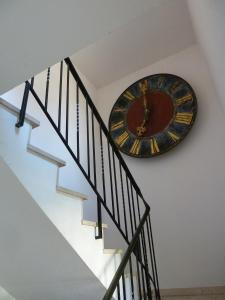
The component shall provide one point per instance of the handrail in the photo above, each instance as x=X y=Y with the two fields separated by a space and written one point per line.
x=136 y=222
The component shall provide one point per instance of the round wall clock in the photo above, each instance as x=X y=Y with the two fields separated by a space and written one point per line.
x=153 y=115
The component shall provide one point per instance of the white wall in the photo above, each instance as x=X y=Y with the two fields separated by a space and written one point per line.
x=209 y=23
x=185 y=187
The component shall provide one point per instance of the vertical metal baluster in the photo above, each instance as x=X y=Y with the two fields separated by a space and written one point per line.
x=78 y=123
x=22 y=114
x=99 y=215
x=138 y=245
x=138 y=277
x=93 y=150
x=132 y=198
x=60 y=95
x=47 y=88
x=103 y=167
x=32 y=82
x=124 y=287
x=116 y=191
x=129 y=204
x=131 y=278
x=111 y=183
x=151 y=257
x=123 y=199
x=118 y=291
x=67 y=102
x=88 y=142
x=140 y=252
x=148 y=283
x=153 y=252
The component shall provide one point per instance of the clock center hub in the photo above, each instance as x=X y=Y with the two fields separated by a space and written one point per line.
x=161 y=110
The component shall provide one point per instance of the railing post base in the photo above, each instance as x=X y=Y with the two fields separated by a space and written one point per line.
x=23 y=106
x=99 y=226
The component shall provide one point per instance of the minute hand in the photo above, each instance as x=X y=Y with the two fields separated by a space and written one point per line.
x=146 y=110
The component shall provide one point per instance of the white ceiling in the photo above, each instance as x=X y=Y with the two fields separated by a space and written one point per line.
x=164 y=29
x=36 y=34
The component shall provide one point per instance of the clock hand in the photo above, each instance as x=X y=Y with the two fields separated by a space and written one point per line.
x=142 y=128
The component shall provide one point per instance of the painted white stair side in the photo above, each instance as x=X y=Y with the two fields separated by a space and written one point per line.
x=38 y=172
x=36 y=262
x=4 y=295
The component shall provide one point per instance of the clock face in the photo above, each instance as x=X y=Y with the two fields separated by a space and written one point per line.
x=153 y=115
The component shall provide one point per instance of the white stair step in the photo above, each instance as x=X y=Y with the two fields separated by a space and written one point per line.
x=71 y=193
x=93 y=224
x=113 y=251
x=15 y=110
x=45 y=155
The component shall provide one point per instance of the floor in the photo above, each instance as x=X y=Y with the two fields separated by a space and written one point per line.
x=204 y=297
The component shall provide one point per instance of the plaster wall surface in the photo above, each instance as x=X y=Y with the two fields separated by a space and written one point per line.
x=184 y=187
x=209 y=23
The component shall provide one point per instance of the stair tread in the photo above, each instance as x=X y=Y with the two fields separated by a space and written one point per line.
x=70 y=192
x=15 y=110
x=46 y=155
x=92 y=223
x=113 y=251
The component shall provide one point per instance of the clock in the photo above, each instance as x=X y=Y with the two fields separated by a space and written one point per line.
x=153 y=115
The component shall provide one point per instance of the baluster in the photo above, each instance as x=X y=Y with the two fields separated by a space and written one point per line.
x=110 y=177
x=148 y=282
x=93 y=150
x=140 y=254
x=153 y=252
x=23 y=106
x=118 y=291
x=137 y=248
x=131 y=278
x=60 y=95
x=103 y=169
x=32 y=82
x=151 y=257
x=129 y=205
x=116 y=191
x=99 y=215
x=138 y=277
x=78 y=123
x=123 y=200
x=67 y=102
x=124 y=287
x=47 y=88
x=132 y=198
x=88 y=142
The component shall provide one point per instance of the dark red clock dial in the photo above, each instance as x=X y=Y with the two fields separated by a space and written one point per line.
x=161 y=112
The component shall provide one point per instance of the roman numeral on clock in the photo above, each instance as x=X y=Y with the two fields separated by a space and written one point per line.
x=119 y=109
x=154 y=146
x=173 y=136
x=174 y=86
x=121 y=140
x=129 y=96
x=117 y=125
x=184 y=118
x=184 y=99
x=143 y=86
x=161 y=81
x=135 y=149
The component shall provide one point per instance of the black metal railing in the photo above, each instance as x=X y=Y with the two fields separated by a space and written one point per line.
x=78 y=124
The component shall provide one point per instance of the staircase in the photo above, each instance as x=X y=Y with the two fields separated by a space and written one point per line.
x=125 y=273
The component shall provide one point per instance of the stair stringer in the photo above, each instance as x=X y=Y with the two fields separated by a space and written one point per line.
x=39 y=175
